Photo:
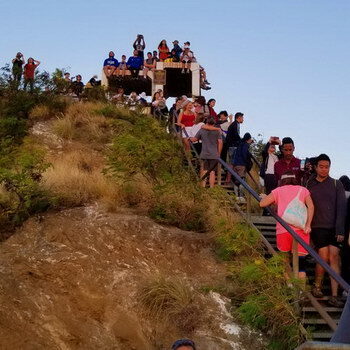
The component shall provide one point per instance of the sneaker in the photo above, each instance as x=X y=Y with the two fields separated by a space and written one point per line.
x=183 y=71
x=334 y=301
x=207 y=82
x=317 y=292
x=188 y=71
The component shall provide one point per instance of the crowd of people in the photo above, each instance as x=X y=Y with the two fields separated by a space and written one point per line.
x=138 y=62
x=314 y=204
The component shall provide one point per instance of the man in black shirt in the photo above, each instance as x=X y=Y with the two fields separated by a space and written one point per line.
x=232 y=141
x=17 y=69
x=327 y=227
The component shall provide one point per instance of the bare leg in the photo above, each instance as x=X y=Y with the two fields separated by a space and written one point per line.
x=106 y=71
x=334 y=261
x=319 y=270
x=202 y=173
x=187 y=144
x=145 y=71
x=212 y=179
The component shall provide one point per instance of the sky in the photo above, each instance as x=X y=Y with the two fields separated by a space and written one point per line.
x=283 y=63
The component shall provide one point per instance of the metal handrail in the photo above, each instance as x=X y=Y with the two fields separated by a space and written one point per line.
x=308 y=248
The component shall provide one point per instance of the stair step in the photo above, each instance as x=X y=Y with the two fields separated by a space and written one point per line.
x=322 y=335
x=326 y=308
x=317 y=321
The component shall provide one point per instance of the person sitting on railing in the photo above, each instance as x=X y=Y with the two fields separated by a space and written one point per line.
x=292 y=199
x=288 y=161
x=345 y=252
x=139 y=45
x=121 y=70
x=163 y=50
x=110 y=64
x=242 y=161
x=177 y=50
x=186 y=121
x=232 y=141
x=172 y=57
x=211 y=149
x=155 y=56
x=328 y=224
x=186 y=58
x=149 y=64
x=135 y=64
x=203 y=79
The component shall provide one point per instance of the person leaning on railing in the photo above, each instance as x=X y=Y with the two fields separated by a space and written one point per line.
x=295 y=206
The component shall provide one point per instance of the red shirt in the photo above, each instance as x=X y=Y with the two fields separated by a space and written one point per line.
x=281 y=167
x=29 y=71
x=188 y=119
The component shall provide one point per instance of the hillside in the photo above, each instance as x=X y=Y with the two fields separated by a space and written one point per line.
x=109 y=242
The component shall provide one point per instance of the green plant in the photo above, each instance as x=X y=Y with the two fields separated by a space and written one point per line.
x=22 y=183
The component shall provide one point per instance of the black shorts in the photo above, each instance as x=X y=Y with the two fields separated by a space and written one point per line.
x=323 y=237
x=210 y=164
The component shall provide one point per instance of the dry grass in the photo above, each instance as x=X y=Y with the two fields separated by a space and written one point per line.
x=81 y=122
x=76 y=178
x=171 y=300
x=40 y=112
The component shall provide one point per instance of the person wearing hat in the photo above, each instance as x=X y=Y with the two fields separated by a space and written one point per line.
x=177 y=49
x=183 y=344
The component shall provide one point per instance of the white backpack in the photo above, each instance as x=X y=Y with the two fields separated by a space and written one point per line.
x=296 y=212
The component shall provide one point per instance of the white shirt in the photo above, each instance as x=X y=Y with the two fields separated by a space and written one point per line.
x=272 y=159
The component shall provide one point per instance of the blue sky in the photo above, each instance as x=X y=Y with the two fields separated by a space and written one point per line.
x=284 y=63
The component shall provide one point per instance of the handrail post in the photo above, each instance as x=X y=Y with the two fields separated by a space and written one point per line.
x=295 y=258
x=219 y=173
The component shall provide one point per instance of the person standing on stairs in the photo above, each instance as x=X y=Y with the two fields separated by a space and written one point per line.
x=288 y=162
x=328 y=224
x=232 y=141
x=211 y=149
x=291 y=198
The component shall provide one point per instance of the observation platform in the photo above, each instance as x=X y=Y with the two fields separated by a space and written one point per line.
x=167 y=77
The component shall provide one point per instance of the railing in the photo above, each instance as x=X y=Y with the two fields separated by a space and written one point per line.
x=295 y=236
x=341 y=332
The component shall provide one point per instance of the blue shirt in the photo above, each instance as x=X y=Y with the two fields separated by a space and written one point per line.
x=134 y=62
x=111 y=61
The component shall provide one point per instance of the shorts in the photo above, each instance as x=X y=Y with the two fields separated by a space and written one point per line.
x=210 y=164
x=285 y=242
x=323 y=237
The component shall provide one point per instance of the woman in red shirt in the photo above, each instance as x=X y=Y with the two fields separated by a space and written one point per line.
x=186 y=121
x=29 y=70
x=163 y=50
x=211 y=104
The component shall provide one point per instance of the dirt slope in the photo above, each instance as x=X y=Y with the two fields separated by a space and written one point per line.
x=69 y=281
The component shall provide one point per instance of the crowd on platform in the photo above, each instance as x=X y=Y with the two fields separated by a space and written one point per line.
x=316 y=206
x=113 y=68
